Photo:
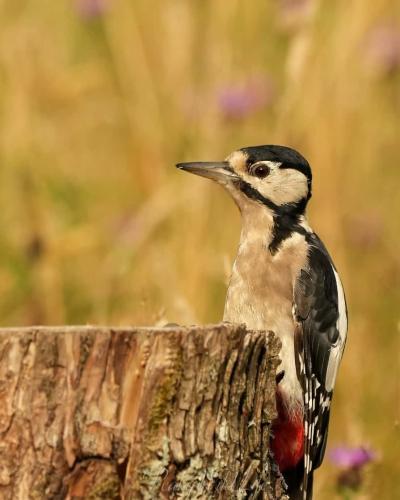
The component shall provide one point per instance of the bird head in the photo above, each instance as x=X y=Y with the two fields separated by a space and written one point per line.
x=277 y=177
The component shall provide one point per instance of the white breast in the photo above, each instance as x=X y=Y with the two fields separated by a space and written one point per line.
x=260 y=294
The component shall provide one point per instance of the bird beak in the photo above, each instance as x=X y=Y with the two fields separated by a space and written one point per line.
x=218 y=171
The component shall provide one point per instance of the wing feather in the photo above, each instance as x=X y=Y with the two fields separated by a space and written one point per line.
x=321 y=316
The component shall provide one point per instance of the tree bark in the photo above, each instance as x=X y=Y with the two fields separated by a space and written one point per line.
x=126 y=413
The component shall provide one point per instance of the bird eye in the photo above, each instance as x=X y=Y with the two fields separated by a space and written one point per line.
x=261 y=171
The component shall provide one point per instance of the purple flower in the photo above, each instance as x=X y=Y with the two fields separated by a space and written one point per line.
x=346 y=457
x=89 y=9
x=383 y=48
x=351 y=461
x=238 y=100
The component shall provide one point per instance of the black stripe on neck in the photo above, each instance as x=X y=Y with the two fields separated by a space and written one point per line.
x=286 y=217
x=284 y=227
x=253 y=194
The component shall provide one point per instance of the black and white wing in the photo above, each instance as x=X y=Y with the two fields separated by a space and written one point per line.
x=321 y=315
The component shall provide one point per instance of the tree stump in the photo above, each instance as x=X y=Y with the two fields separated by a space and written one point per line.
x=126 y=413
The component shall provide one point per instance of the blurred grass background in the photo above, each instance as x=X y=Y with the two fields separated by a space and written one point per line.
x=99 y=99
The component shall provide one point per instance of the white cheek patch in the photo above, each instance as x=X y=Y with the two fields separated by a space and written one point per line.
x=284 y=186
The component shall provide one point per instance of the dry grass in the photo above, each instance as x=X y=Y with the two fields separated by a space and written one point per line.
x=98 y=227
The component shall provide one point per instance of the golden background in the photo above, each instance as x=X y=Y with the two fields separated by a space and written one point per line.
x=99 y=100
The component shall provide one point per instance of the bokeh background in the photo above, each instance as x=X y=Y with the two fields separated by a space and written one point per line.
x=99 y=99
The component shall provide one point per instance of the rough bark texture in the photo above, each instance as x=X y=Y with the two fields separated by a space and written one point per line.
x=112 y=413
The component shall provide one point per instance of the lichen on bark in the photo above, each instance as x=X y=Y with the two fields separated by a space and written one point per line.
x=88 y=412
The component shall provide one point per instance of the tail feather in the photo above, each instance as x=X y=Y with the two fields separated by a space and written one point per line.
x=294 y=481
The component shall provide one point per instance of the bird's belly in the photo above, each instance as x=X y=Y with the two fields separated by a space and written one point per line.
x=270 y=311
x=259 y=307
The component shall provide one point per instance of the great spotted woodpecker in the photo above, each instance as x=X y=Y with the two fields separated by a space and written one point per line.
x=284 y=280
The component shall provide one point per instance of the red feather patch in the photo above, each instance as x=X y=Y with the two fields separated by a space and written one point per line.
x=287 y=443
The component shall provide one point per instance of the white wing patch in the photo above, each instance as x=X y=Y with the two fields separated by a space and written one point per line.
x=336 y=351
